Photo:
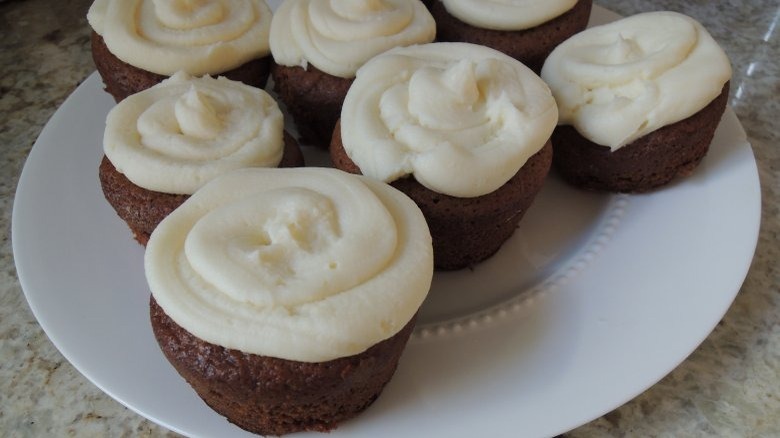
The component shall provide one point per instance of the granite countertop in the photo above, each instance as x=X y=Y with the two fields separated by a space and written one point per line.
x=730 y=386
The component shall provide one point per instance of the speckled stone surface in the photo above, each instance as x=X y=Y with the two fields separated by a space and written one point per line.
x=730 y=386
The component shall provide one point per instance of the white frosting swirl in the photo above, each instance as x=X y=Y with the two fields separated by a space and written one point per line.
x=196 y=36
x=461 y=118
x=183 y=132
x=277 y=262
x=507 y=14
x=338 y=36
x=618 y=82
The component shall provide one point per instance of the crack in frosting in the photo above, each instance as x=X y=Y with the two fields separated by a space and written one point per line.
x=275 y=262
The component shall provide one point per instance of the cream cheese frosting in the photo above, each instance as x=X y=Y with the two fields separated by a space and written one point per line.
x=618 y=82
x=275 y=262
x=461 y=118
x=507 y=14
x=338 y=36
x=196 y=36
x=179 y=134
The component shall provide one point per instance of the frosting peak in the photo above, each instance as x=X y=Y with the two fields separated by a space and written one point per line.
x=456 y=91
x=196 y=115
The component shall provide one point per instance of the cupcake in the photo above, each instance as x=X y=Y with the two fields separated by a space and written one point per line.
x=136 y=44
x=462 y=129
x=525 y=30
x=639 y=101
x=318 y=46
x=268 y=302
x=165 y=142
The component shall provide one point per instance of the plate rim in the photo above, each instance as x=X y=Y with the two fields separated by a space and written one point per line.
x=23 y=274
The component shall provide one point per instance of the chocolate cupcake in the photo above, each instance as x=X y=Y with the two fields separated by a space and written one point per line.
x=318 y=46
x=163 y=143
x=277 y=313
x=268 y=395
x=639 y=101
x=138 y=44
x=526 y=31
x=467 y=230
x=460 y=128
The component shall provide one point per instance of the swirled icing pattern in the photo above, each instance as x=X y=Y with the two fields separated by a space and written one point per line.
x=276 y=262
x=507 y=14
x=338 y=36
x=620 y=81
x=183 y=132
x=196 y=36
x=461 y=118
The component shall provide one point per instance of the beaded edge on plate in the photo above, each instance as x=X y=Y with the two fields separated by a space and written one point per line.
x=525 y=298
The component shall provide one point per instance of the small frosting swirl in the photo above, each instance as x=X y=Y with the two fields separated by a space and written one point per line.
x=461 y=118
x=196 y=115
x=338 y=36
x=183 y=132
x=196 y=36
x=617 y=82
x=507 y=14
x=274 y=262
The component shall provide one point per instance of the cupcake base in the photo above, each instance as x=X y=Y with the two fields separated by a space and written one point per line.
x=466 y=231
x=313 y=98
x=649 y=162
x=143 y=209
x=122 y=79
x=529 y=46
x=271 y=396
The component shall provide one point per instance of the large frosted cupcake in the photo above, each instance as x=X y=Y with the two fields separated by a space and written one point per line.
x=460 y=128
x=527 y=30
x=164 y=143
x=318 y=46
x=138 y=43
x=267 y=299
x=639 y=101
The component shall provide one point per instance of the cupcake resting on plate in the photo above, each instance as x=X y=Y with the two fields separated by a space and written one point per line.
x=526 y=30
x=317 y=47
x=165 y=142
x=639 y=101
x=270 y=304
x=462 y=129
x=138 y=43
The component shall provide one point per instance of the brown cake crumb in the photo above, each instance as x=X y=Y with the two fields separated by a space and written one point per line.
x=272 y=396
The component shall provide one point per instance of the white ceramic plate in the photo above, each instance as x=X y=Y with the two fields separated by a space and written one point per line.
x=593 y=300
